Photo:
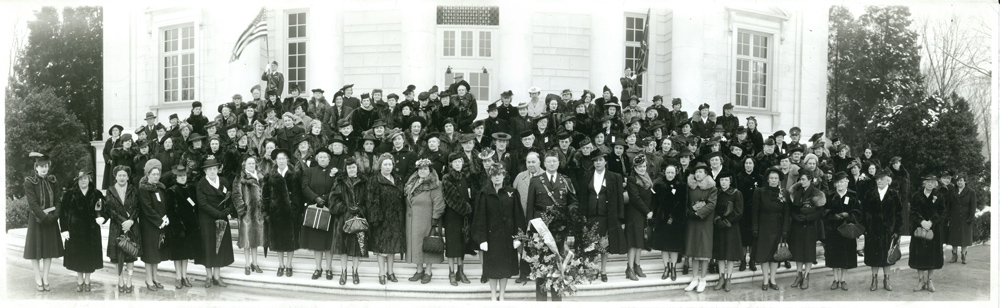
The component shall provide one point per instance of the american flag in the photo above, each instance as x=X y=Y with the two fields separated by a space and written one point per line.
x=644 y=48
x=257 y=29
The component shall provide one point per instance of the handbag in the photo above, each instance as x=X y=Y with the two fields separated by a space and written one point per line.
x=923 y=233
x=851 y=229
x=782 y=253
x=127 y=246
x=317 y=218
x=434 y=242
x=894 y=253
x=355 y=224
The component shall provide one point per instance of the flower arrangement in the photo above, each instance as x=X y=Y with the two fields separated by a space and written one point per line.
x=578 y=263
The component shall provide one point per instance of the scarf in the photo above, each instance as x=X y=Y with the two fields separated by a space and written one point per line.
x=643 y=180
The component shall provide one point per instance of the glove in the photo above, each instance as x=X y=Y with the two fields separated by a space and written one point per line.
x=926 y=224
x=484 y=246
x=517 y=244
x=436 y=222
x=725 y=223
x=65 y=235
x=649 y=215
x=126 y=225
x=320 y=202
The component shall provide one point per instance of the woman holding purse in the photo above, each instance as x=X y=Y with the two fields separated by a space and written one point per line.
x=316 y=184
x=927 y=217
x=727 y=242
x=771 y=222
x=152 y=201
x=214 y=205
x=425 y=205
x=702 y=195
x=842 y=208
x=807 y=208
x=882 y=218
x=249 y=202
x=498 y=218
x=121 y=205
x=81 y=206
x=351 y=185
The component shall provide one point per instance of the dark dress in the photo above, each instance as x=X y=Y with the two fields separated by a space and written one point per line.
x=317 y=183
x=387 y=214
x=747 y=183
x=727 y=243
x=43 y=240
x=901 y=183
x=183 y=238
x=119 y=210
x=153 y=207
x=640 y=202
x=669 y=215
x=961 y=211
x=927 y=254
x=281 y=202
x=498 y=218
x=213 y=205
x=605 y=208
x=841 y=252
x=807 y=208
x=109 y=163
x=771 y=221
x=882 y=221
x=77 y=215
x=458 y=202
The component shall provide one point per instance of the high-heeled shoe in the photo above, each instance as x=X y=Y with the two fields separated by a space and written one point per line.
x=220 y=283
x=964 y=253
x=874 y=283
x=729 y=280
x=208 y=282
x=246 y=271
x=329 y=275
x=954 y=257
x=666 y=274
x=381 y=279
x=121 y=289
x=843 y=285
x=743 y=265
x=354 y=276
x=256 y=268
x=86 y=288
x=151 y=287
x=930 y=285
x=178 y=284
x=317 y=274
x=451 y=278
x=773 y=285
x=130 y=289
x=629 y=274
x=79 y=288
x=637 y=271
x=921 y=285
x=187 y=282
x=281 y=271
x=392 y=277
x=426 y=279
x=673 y=272
x=805 y=282
x=835 y=285
x=417 y=276
x=604 y=277
x=288 y=271
x=460 y=275
x=46 y=287
x=798 y=280
x=885 y=283
x=343 y=277
x=720 y=283
x=40 y=288
x=158 y=285
x=763 y=286
x=693 y=284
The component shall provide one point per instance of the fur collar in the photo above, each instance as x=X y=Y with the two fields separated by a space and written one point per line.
x=247 y=179
x=706 y=183
x=697 y=116
x=415 y=185
x=147 y=186
x=34 y=179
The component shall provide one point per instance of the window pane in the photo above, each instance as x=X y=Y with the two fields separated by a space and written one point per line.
x=485 y=42
x=466 y=43
x=293 y=19
x=292 y=32
x=302 y=61
x=302 y=31
x=302 y=18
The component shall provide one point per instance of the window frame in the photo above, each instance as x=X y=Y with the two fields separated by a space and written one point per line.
x=632 y=44
x=466 y=75
x=476 y=47
x=770 y=96
x=161 y=62
x=287 y=40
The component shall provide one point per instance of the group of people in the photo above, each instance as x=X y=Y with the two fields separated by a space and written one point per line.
x=709 y=193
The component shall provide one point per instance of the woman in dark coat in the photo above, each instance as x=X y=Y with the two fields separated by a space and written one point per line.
x=338 y=200
x=43 y=241
x=806 y=210
x=747 y=181
x=316 y=184
x=727 y=244
x=125 y=154
x=842 y=207
x=498 y=218
x=754 y=135
x=640 y=190
x=214 y=205
x=881 y=209
x=153 y=204
x=113 y=142
x=348 y=188
x=901 y=183
x=961 y=213
x=457 y=199
x=182 y=235
x=81 y=205
x=386 y=206
x=248 y=200
x=121 y=205
x=669 y=218
x=701 y=203
x=281 y=192
x=927 y=211
x=771 y=221
x=169 y=155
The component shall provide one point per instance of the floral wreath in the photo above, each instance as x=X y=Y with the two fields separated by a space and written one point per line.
x=579 y=265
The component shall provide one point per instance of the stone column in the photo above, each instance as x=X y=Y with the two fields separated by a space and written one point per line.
x=607 y=52
x=419 y=20
x=688 y=51
x=326 y=55
x=515 y=51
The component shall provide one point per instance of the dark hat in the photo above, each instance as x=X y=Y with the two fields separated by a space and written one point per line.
x=839 y=176
x=345 y=87
x=323 y=150
x=39 y=157
x=293 y=88
x=633 y=98
x=150 y=115
x=795 y=130
x=727 y=106
x=343 y=122
x=737 y=145
x=141 y=143
x=562 y=134
x=120 y=128
x=929 y=177
x=433 y=89
x=779 y=133
x=685 y=152
x=432 y=135
x=423 y=96
x=195 y=137
x=527 y=133
x=409 y=89
x=724 y=174
x=634 y=120
x=841 y=147
x=709 y=156
x=882 y=173
x=211 y=124
x=639 y=160
x=703 y=166
x=675 y=101
x=376 y=91
x=270 y=92
x=596 y=154
x=612 y=104
x=448 y=121
x=643 y=142
x=741 y=129
x=522 y=105
x=477 y=123
x=463 y=138
x=816 y=137
x=945 y=174
x=462 y=83
x=704 y=106
x=606 y=89
x=714 y=141
x=173 y=116
x=567 y=91
x=895 y=159
x=445 y=94
x=369 y=135
x=584 y=141
x=797 y=148
x=507 y=93
x=491 y=108
x=195 y=104
x=211 y=162
x=318 y=90
x=378 y=122
x=782 y=156
x=337 y=139
x=392 y=96
x=769 y=141
x=500 y=136
x=455 y=155
x=621 y=142
x=834 y=139
x=719 y=128
x=365 y=95
x=179 y=170
x=657 y=98
x=569 y=119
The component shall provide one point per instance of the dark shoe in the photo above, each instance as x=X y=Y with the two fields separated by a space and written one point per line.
x=483 y=279
x=638 y=271
x=743 y=265
x=79 y=288
x=220 y=283
x=604 y=277
x=151 y=287
x=246 y=271
x=721 y=283
x=426 y=279
x=187 y=282
x=729 y=279
x=86 y=287
x=798 y=280
x=843 y=285
x=281 y=271
x=835 y=285
x=753 y=267
x=208 y=283
x=666 y=274
x=178 y=284
x=158 y=285
x=121 y=289
x=343 y=277
x=964 y=253
x=874 y=283
x=452 y=279
x=930 y=285
x=288 y=271
x=763 y=286
x=355 y=277
x=885 y=283
x=256 y=269
x=129 y=290
x=317 y=274
x=673 y=272
x=954 y=257
x=521 y=280
x=774 y=286
x=805 y=282
x=416 y=277
x=392 y=277
x=460 y=275
x=685 y=270
x=381 y=279
x=329 y=275
x=629 y=274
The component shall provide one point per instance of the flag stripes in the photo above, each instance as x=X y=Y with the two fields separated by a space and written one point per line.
x=257 y=29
